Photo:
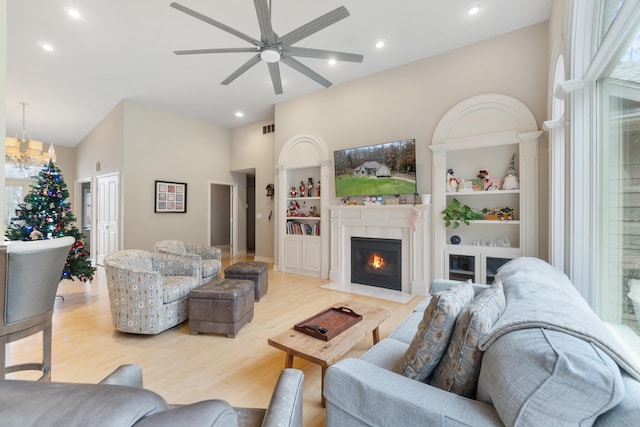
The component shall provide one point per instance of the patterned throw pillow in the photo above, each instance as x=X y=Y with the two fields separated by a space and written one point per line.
x=460 y=366
x=431 y=340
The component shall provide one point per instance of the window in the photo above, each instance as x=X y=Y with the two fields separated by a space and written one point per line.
x=604 y=162
x=619 y=219
x=610 y=10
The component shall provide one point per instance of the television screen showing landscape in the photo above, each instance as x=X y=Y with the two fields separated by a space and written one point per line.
x=376 y=170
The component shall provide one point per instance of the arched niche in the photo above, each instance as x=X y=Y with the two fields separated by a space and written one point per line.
x=302 y=152
x=486 y=122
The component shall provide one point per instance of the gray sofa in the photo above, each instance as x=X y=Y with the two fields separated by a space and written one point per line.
x=119 y=400
x=546 y=360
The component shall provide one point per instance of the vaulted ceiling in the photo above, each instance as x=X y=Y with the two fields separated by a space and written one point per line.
x=119 y=49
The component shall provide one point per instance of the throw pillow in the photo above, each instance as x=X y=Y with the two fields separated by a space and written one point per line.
x=430 y=341
x=459 y=368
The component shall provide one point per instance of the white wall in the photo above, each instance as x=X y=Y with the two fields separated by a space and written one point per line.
x=3 y=89
x=251 y=149
x=103 y=145
x=160 y=145
x=145 y=144
x=408 y=101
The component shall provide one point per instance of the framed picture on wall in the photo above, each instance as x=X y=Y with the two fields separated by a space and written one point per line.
x=170 y=197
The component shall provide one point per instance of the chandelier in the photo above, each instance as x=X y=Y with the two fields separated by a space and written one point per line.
x=25 y=152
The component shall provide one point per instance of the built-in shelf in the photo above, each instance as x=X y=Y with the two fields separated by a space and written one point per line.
x=496 y=222
x=486 y=132
x=482 y=193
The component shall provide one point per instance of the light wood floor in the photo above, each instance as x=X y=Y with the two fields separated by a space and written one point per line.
x=184 y=368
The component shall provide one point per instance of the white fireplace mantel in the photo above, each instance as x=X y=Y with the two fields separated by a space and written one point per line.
x=384 y=222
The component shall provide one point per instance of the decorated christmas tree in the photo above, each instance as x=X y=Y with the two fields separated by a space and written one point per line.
x=45 y=213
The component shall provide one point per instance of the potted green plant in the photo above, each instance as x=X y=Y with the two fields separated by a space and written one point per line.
x=456 y=213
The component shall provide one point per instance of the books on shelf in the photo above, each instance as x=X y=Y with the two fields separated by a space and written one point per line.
x=303 y=229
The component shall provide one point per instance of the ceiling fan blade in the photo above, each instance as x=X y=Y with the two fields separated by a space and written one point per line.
x=244 y=67
x=215 y=23
x=264 y=20
x=314 y=26
x=223 y=50
x=301 y=68
x=323 y=54
x=274 y=70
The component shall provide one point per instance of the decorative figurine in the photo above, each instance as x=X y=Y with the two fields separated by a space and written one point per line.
x=483 y=175
x=293 y=192
x=452 y=182
x=511 y=180
x=309 y=186
x=303 y=189
x=318 y=188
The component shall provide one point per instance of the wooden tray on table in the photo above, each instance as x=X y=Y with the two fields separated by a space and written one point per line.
x=329 y=323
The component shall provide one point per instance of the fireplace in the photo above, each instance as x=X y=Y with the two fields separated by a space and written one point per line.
x=376 y=262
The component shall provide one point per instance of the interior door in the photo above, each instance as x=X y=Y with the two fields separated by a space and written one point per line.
x=107 y=216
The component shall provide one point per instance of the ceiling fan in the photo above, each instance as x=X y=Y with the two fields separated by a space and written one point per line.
x=274 y=49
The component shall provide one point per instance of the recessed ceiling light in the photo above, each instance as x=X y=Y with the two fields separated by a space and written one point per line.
x=239 y=114
x=332 y=61
x=74 y=13
x=47 y=46
x=473 y=8
x=380 y=44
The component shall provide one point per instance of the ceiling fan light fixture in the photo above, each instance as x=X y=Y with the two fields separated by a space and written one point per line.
x=270 y=54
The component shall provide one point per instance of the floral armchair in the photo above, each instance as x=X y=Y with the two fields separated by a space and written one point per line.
x=149 y=291
x=210 y=256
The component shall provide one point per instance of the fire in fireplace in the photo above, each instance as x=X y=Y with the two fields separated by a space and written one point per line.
x=376 y=262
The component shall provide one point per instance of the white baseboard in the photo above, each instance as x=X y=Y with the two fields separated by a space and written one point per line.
x=263 y=259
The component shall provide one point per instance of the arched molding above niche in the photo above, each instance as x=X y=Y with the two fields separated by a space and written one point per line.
x=303 y=149
x=483 y=119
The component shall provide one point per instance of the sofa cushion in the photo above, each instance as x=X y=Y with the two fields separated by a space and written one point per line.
x=387 y=354
x=544 y=377
x=407 y=329
x=460 y=366
x=211 y=267
x=210 y=413
x=627 y=412
x=177 y=287
x=431 y=339
x=35 y=403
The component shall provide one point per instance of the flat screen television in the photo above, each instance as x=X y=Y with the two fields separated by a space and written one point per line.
x=376 y=170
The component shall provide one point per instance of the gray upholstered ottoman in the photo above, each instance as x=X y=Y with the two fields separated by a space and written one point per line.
x=221 y=306
x=255 y=271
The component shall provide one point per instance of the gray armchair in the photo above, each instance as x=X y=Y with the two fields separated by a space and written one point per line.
x=29 y=276
x=120 y=400
x=148 y=291
x=210 y=256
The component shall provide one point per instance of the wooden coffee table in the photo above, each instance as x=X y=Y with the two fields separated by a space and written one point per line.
x=326 y=353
